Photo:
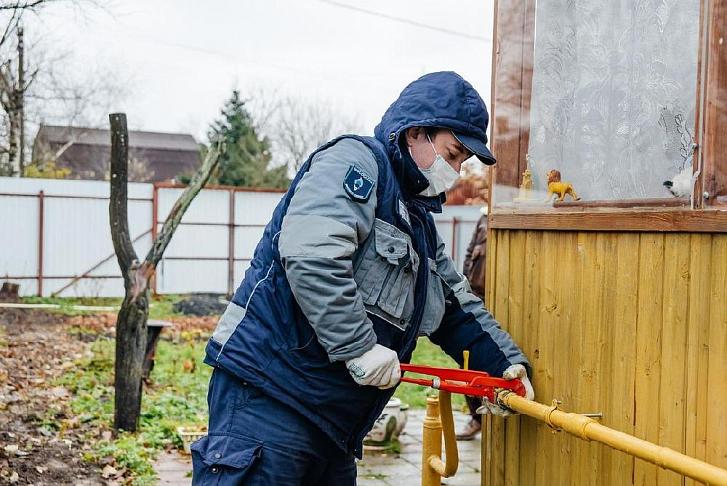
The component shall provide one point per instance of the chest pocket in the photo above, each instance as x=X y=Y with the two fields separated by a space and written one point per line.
x=434 y=305
x=386 y=273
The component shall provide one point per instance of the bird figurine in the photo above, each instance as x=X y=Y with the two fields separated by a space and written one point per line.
x=681 y=184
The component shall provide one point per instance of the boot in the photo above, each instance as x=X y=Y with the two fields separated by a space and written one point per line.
x=470 y=430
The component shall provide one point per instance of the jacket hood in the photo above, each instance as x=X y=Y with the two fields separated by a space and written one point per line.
x=442 y=99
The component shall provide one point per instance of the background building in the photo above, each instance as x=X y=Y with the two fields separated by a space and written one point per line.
x=85 y=151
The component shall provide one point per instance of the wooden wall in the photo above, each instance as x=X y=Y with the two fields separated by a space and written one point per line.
x=633 y=325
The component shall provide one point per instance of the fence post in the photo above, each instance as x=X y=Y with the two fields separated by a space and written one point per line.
x=154 y=219
x=231 y=246
x=41 y=237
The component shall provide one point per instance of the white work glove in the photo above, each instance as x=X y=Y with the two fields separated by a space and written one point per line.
x=514 y=371
x=379 y=366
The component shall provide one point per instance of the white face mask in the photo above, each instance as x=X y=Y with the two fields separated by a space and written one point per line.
x=440 y=174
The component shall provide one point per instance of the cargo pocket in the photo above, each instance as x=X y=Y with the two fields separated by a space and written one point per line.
x=222 y=459
x=386 y=274
x=434 y=305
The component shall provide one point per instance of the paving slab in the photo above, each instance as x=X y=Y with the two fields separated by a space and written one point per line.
x=375 y=469
x=174 y=469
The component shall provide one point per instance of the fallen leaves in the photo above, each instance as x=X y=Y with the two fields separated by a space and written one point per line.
x=42 y=441
x=35 y=351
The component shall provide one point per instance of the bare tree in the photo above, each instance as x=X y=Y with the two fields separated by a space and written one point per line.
x=134 y=311
x=68 y=93
x=297 y=126
x=39 y=84
x=14 y=82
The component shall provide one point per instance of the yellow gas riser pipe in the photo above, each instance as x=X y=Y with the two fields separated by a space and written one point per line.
x=588 y=429
x=438 y=421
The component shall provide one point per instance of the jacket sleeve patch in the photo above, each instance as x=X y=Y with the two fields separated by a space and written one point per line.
x=358 y=185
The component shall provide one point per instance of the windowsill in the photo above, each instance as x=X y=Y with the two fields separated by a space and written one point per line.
x=539 y=205
x=575 y=217
x=626 y=203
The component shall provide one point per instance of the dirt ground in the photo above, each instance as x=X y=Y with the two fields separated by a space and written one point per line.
x=36 y=348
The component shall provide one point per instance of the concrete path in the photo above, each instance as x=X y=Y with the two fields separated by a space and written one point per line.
x=174 y=469
x=375 y=469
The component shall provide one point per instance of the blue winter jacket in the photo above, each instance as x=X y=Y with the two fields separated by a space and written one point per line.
x=351 y=257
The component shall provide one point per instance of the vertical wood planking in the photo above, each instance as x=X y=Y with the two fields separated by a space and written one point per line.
x=502 y=314
x=648 y=349
x=582 y=255
x=516 y=330
x=530 y=343
x=639 y=332
x=547 y=306
x=603 y=313
x=486 y=452
x=674 y=336
x=716 y=389
x=587 y=393
x=618 y=410
x=486 y=434
x=568 y=298
x=605 y=376
x=700 y=277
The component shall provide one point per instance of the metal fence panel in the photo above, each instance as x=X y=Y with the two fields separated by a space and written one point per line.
x=71 y=252
x=181 y=277
x=18 y=238
x=209 y=206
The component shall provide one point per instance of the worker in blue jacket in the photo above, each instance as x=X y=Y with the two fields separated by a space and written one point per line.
x=349 y=272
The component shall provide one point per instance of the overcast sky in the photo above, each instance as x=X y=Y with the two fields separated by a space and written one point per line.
x=184 y=57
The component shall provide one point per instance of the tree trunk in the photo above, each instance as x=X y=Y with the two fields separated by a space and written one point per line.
x=13 y=142
x=21 y=103
x=131 y=320
x=131 y=331
x=130 y=351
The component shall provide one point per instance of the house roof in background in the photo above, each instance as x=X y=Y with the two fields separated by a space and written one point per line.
x=101 y=136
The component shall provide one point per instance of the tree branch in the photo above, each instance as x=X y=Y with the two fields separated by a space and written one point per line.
x=10 y=26
x=118 y=214
x=180 y=207
x=29 y=5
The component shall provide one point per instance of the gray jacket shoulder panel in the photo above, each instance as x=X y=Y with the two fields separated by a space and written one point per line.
x=320 y=233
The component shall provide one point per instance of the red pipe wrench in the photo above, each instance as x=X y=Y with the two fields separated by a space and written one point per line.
x=466 y=382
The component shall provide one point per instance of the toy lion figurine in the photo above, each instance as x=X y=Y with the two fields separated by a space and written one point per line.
x=555 y=186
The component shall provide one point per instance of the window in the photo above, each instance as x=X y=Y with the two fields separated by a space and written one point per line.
x=610 y=95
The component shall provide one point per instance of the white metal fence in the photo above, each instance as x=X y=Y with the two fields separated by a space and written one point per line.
x=55 y=237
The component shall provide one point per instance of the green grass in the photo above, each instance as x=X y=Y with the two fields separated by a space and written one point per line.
x=176 y=397
x=160 y=305
x=428 y=354
x=70 y=301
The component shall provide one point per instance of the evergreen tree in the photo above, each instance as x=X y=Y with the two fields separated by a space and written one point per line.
x=246 y=161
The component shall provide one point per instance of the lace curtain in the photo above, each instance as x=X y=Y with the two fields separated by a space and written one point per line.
x=613 y=96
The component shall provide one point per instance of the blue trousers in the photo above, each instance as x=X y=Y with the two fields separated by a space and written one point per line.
x=255 y=440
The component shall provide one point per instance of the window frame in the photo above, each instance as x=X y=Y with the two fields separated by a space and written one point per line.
x=512 y=73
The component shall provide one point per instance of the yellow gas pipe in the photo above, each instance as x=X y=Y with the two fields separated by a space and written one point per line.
x=438 y=421
x=588 y=429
